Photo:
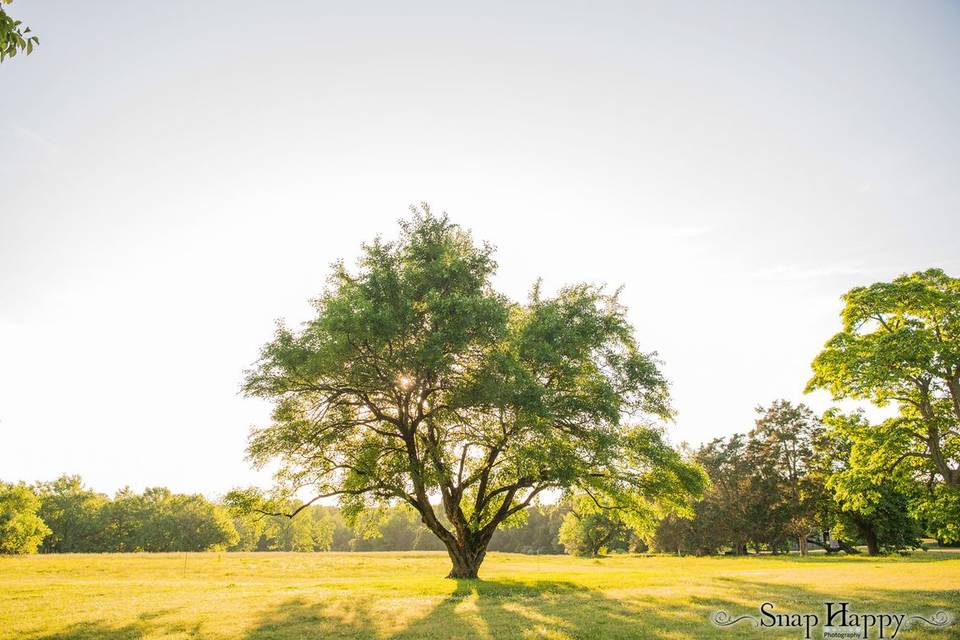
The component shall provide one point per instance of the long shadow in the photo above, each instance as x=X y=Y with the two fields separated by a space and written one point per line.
x=541 y=609
x=485 y=610
x=678 y=609
x=488 y=610
x=146 y=625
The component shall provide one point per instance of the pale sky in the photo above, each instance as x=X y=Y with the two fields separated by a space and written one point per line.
x=177 y=175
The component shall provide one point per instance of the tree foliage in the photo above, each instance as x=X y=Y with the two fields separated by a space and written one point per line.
x=14 y=36
x=764 y=489
x=900 y=343
x=417 y=381
x=865 y=507
x=744 y=505
x=80 y=520
x=313 y=531
x=21 y=529
x=784 y=453
x=73 y=514
x=159 y=520
x=589 y=529
x=539 y=533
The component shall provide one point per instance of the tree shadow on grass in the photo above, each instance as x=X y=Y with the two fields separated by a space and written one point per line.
x=478 y=609
x=486 y=610
x=146 y=625
x=678 y=609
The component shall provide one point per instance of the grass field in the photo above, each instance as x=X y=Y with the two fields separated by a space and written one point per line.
x=328 y=595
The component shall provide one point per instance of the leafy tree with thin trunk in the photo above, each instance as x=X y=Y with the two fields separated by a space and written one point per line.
x=782 y=448
x=741 y=506
x=900 y=343
x=417 y=383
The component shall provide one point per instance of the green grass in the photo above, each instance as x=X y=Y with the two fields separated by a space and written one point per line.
x=370 y=595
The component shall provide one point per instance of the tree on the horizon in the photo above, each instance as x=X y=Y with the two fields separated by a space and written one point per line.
x=159 y=520
x=21 y=529
x=761 y=492
x=900 y=343
x=743 y=506
x=782 y=449
x=416 y=382
x=589 y=530
x=73 y=514
x=538 y=535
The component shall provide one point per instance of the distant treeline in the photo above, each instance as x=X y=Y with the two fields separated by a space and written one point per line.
x=64 y=516
x=786 y=484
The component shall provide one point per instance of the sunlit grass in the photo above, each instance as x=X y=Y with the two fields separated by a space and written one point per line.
x=286 y=595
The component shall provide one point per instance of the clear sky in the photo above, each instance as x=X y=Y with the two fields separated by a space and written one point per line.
x=177 y=175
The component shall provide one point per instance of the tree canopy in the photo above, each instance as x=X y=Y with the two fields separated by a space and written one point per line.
x=766 y=488
x=80 y=520
x=73 y=513
x=900 y=342
x=784 y=443
x=875 y=510
x=417 y=382
x=588 y=530
x=21 y=529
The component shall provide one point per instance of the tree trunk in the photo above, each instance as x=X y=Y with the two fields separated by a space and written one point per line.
x=850 y=549
x=802 y=543
x=465 y=560
x=870 y=536
x=823 y=545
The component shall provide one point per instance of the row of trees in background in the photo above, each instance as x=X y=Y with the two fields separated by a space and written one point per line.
x=64 y=516
x=772 y=490
x=881 y=484
x=72 y=518
x=780 y=487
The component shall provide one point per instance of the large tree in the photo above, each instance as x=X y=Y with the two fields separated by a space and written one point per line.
x=417 y=383
x=858 y=506
x=901 y=343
